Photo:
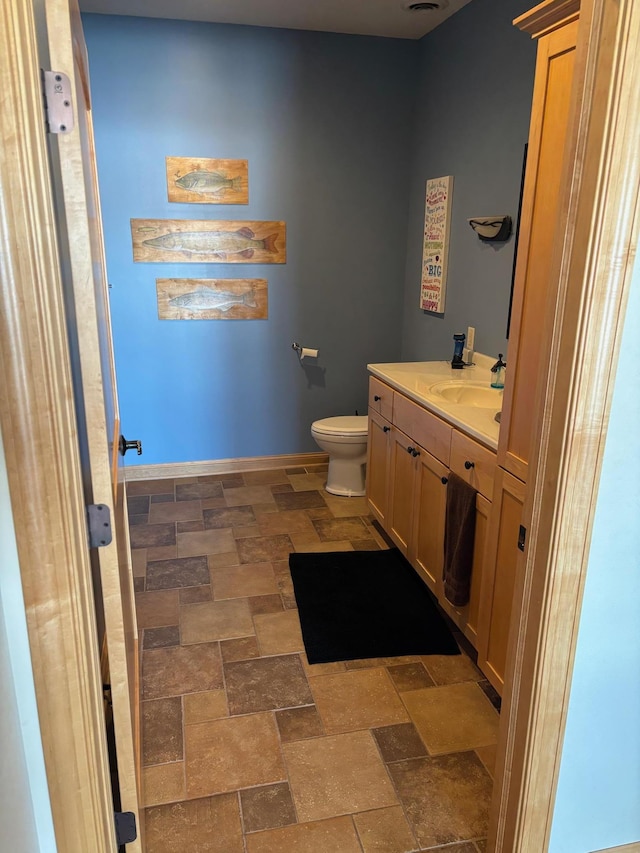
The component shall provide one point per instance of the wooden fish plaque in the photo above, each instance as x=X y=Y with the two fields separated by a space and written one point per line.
x=208 y=241
x=212 y=298
x=204 y=181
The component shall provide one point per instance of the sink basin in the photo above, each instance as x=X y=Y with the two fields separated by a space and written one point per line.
x=468 y=394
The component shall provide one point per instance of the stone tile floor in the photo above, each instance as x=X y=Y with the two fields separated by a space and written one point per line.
x=249 y=749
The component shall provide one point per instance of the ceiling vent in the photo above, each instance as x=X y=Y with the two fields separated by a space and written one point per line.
x=424 y=5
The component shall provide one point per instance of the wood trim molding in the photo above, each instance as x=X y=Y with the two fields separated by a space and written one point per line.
x=170 y=470
x=593 y=265
x=634 y=847
x=38 y=425
x=548 y=16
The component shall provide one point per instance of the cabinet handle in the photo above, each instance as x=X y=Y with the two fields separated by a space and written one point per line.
x=386 y=429
x=469 y=465
x=416 y=453
x=444 y=481
x=410 y=449
x=377 y=398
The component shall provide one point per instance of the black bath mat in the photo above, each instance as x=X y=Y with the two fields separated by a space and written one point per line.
x=365 y=604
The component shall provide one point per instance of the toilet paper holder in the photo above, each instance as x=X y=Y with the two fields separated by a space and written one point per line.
x=304 y=352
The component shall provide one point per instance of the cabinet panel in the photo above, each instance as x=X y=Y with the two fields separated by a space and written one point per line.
x=425 y=429
x=503 y=561
x=427 y=546
x=379 y=445
x=401 y=497
x=380 y=398
x=467 y=452
x=533 y=289
x=483 y=507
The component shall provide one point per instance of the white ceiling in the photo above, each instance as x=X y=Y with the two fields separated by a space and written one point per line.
x=358 y=17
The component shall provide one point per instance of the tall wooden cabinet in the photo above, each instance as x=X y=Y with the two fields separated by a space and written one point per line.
x=555 y=25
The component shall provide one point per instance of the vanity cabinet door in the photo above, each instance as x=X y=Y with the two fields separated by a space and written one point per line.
x=427 y=545
x=378 y=450
x=400 y=509
x=503 y=560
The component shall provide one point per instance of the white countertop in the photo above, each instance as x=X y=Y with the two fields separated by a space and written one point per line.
x=416 y=379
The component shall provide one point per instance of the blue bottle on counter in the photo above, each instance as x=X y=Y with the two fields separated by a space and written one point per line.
x=457 y=361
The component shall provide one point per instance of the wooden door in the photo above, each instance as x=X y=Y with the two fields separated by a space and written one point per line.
x=378 y=465
x=534 y=287
x=401 y=490
x=427 y=542
x=77 y=207
x=503 y=561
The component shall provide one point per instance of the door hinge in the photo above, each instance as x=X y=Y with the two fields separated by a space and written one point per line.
x=99 y=523
x=58 y=109
x=126 y=831
x=522 y=535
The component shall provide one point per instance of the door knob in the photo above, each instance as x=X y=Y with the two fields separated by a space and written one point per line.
x=377 y=398
x=124 y=445
x=469 y=465
x=386 y=429
x=444 y=481
x=410 y=449
x=415 y=452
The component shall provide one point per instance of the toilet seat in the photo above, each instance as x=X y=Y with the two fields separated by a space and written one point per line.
x=350 y=426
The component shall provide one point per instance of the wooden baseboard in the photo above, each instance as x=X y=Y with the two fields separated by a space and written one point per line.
x=172 y=470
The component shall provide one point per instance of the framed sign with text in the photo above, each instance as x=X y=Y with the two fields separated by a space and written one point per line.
x=437 y=218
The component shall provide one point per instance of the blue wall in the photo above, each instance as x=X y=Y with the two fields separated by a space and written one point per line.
x=473 y=106
x=324 y=121
x=598 y=798
x=341 y=133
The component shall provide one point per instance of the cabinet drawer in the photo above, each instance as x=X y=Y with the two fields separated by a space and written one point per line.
x=481 y=471
x=423 y=427
x=380 y=398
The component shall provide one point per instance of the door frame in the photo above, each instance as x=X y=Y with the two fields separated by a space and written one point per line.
x=38 y=424
x=594 y=264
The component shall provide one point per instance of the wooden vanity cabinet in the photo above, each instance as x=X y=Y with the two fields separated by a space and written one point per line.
x=476 y=465
x=419 y=460
x=410 y=460
x=417 y=502
x=427 y=541
x=378 y=450
x=503 y=562
x=400 y=508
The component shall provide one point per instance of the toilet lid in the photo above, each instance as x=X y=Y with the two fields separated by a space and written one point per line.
x=345 y=425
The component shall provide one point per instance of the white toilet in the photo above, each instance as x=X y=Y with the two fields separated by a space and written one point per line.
x=345 y=440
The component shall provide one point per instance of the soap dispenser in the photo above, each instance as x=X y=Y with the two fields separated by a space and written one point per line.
x=497 y=380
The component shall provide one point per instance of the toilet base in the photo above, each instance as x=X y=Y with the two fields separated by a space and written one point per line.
x=346 y=477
